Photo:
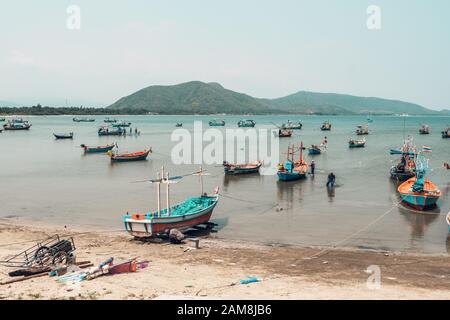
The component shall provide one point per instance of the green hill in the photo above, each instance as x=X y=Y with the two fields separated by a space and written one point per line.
x=211 y=98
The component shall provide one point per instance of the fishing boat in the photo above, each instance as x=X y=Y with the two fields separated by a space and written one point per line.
x=246 y=124
x=283 y=133
x=406 y=168
x=447 y=166
x=2 y=119
x=231 y=168
x=446 y=133
x=216 y=123
x=314 y=150
x=100 y=149
x=362 y=130
x=424 y=129
x=108 y=120
x=83 y=119
x=292 y=125
x=11 y=125
x=64 y=135
x=121 y=124
x=419 y=192
x=369 y=120
x=178 y=125
x=106 y=131
x=326 y=126
x=190 y=213
x=353 y=143
x=125 y=157
x=290 y=170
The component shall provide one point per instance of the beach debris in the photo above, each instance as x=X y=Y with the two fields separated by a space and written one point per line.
x=176 y=236
x=249 y=280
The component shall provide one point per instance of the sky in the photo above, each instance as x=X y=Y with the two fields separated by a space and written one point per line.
x=267 y=49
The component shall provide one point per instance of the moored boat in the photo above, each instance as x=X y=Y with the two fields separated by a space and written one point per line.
x=121 y=124
x=190 y=213
x=447 y=166
x=11 y=125
x=83 y=119
x=246 y=124
x=231 y=168
x=406 y=168
x=100 y=149
x=217 y=123
x=106 y=131
x=326 y=126
x=108 y=120
x=419 y=192
x=290 y=170
x=125 y=157
x=292 y=125
x=353 y=143
x=2 y=119
x=314 y=150
x=446 y=133
x=424 y=129
x=284 y=133
x=362 y=130
x=64 y=135
x=179 y=125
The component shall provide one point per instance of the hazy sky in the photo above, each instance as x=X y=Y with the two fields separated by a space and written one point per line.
x=264 y=48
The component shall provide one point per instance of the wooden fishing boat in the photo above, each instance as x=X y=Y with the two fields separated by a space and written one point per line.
x=424 y=129
x=446 y=133
x=100 y=149
x=246 y=124
x=216 y=123
x=290 y=170
x=231 y=168
x=314 y=150
x=419 y=192
x=121 y=124
x=125 y=157
x=64 y=135
x=357 y=143
x=192 y=212
x=179 y=125
x=108 y=120
x=362 y=130
x=406 y=168
x=326 y=126
x=283 y=133
x=17 y=126
x=291 y=125
x=83 y=119
x=106 y=131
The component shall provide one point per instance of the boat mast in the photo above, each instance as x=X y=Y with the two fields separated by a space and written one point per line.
x=201 y=179
x=158 y=193
x=301 y=152
x=167 y=191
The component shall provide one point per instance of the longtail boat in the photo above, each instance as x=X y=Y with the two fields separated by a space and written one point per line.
x=100 y=149
x=121 y=124
x=108 y=120
x=246 y=124
x=290 y=125
x=446 y=133
x=231 y=168
x=362 y=130
x=314 y=150
x=179 y=125
x=11 y=125
x=284 y=133
x=192 y=212
x=83 y=119
x=64 y=135
x=106 y=131
x=326 y=126
x=419 y=192
x=357 y=143
x=124 y=157
x=290 y=170
x=424 y=129
x=216 y=123
x=406 y=168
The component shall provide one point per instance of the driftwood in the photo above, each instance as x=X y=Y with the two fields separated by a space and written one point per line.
x=24 y=278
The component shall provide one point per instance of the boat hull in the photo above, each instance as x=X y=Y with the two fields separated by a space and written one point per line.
x=290 y=176
x=11 y=128
x=126 y=158
x=58 y=137
x=419 y=200
x=237 y=171
x=351 y=146
x=98 y=150
x=401 y=176
x=314 y=152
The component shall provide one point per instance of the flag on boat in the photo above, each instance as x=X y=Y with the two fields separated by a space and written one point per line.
x=426 y=149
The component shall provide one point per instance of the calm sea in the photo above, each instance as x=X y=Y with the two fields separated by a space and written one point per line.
x=52 y=180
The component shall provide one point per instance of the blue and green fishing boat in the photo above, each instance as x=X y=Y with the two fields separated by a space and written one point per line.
x=106 y=131
x=217 y=123
x=246 y=124
x=290 y=170
x=314 y=150
x=121 y=124
x=190 y=213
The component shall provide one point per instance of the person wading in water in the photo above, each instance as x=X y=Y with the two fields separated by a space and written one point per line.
x=331 y=180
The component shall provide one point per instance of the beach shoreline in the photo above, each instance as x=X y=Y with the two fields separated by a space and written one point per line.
x=178 y=271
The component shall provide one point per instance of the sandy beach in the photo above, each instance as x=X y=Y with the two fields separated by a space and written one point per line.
x=178 y=271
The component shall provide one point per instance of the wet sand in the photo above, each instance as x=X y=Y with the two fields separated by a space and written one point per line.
x=214 y=270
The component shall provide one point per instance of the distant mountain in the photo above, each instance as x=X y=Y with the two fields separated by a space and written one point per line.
x=211 y=98
x=332 y=103
x=192 y=98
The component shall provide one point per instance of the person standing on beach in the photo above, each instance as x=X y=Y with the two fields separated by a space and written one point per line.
x=313 y=167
